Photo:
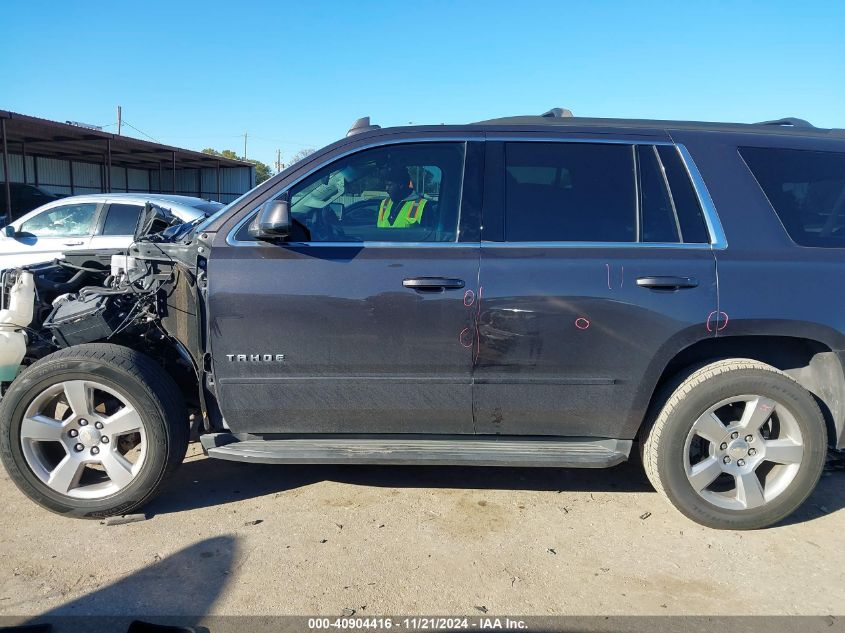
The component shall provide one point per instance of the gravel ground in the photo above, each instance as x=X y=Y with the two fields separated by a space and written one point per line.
x=229 y=538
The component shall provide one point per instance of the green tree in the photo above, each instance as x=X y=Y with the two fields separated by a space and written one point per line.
x=262 y=170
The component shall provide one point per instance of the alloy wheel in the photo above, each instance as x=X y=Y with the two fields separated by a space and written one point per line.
x=83 y=439
x=743 y=452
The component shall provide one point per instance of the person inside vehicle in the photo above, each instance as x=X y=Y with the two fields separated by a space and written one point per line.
x=403 y=207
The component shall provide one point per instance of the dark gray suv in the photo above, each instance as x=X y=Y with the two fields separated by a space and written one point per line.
x=529 y=291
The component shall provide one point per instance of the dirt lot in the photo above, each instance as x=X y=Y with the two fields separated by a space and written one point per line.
x=230 y=538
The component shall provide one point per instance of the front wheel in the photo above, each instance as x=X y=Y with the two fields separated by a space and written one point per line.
x=92 y=430
x=738 y=445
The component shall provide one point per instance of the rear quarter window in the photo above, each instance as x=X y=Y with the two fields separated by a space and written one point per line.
x=806 y=188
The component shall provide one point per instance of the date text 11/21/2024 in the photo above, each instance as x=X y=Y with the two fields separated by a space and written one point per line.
x=417 y=623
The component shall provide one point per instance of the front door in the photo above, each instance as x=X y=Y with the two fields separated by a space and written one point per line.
x=357 y=323
x=601 y=269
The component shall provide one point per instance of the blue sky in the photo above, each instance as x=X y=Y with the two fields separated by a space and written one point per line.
x=294 y=75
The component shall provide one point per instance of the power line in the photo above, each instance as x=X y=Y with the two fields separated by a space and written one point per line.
x=128 y=124
x=216 y=136
x=281 y=142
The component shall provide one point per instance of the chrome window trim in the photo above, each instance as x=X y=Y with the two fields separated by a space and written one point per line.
x=718 y=239
x=604 y=245
x=230 y=238
x=360 y=245
x=520 y=138
x=231 y=241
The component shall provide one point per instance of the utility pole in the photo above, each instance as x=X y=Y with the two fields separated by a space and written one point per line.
x=245 y=134
x=119 y=119
x=278 y=160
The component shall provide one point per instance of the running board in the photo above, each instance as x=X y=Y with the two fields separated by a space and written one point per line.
x=569 y=452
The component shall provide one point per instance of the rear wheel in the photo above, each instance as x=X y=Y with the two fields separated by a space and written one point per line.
x=92 y=430
x=738 y=445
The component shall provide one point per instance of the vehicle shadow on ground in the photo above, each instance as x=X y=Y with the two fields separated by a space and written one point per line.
x=203 y=482
x=182 y=585
x=827 y=498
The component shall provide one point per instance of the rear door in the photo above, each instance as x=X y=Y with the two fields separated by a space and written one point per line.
x=596 y=268
x=353 y=327
x=45 y=236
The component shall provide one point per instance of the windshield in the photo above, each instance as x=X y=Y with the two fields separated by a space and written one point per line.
x=208 y=207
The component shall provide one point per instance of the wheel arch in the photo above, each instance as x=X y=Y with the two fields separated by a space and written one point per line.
x=810 y=362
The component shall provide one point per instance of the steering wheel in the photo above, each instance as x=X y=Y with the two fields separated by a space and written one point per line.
x=326 y=227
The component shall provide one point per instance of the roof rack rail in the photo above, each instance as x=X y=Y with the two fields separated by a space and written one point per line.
x=361 y=125
x=557 y=113
x=788 y=122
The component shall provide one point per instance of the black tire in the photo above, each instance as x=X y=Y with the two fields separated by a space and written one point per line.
x=138 y=379
x=664 y=448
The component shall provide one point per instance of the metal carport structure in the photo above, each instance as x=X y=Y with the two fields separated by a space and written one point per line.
x=68 y=159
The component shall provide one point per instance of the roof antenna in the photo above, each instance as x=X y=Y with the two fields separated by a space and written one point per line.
x=361 y=125
x=557 y=113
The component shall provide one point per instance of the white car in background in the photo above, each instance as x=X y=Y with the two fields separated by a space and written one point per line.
x=96 y=221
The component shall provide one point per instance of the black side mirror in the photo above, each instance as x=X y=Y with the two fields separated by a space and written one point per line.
x=273 y=221
x=10 y=230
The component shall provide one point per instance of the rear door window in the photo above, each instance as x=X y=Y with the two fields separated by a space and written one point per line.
x=659 y=222
x=121 y=219
x=684 y=198
x=592 y=192
x=571 y=192
x=806 y=188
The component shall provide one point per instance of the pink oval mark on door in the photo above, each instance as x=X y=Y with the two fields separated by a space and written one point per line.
x=465 y=337
x=581 y=323
x=720 y=318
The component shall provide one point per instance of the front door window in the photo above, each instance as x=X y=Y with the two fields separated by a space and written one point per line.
x=400 y=193
x=69 y=220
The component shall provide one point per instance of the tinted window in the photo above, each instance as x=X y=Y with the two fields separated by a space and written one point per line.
x=400 y=193
x=688 y=210
x=806 y=189
x=208 y=207
x=121 y=219
x=577 y=192
x=657 y=213
x=69 y=220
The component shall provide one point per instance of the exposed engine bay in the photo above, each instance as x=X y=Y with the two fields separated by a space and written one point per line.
x=145 y=297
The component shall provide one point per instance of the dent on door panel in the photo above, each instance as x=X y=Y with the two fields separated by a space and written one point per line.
x=570 y=345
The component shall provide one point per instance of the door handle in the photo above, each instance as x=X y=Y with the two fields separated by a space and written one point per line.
x=433 y=283
x=667 y=283
x=73 y=243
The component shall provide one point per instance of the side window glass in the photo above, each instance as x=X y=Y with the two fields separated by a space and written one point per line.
x=121 y=219
x=806 y=189
x=572 y=192
x=659 y=222
x=690 y=216
x=70 y=220
x=398 y=193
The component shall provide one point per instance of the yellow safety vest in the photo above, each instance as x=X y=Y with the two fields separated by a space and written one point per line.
x=409 y=215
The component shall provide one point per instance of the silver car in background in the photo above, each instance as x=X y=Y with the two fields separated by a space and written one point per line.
x=96 y=221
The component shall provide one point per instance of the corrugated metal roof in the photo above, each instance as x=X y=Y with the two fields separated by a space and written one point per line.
x=72 y=142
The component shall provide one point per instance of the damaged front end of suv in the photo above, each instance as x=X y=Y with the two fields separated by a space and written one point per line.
x=145 y=298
